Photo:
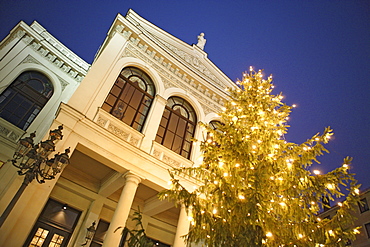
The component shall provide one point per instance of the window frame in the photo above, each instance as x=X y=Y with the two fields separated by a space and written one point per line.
x=131 y=100
x=173 y=122
x=23 y=100
x=363 y=205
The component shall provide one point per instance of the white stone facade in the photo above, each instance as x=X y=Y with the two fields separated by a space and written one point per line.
x=114 y=168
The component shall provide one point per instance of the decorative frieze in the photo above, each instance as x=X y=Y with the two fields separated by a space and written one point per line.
x=169 y=157
x=210 y=103
x=10 y=131
x=68 y=66
x=118 y=128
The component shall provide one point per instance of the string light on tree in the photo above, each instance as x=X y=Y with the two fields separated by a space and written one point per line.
x=252 y=180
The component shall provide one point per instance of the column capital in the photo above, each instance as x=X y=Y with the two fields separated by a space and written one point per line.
x=160 y=99
x=132 y=177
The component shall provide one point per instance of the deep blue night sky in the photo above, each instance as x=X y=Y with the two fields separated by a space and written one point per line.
x=317 y=51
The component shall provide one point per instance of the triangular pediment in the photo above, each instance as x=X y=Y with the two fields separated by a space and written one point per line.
x=191 y=56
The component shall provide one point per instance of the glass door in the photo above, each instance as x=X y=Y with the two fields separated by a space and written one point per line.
x=54 y=226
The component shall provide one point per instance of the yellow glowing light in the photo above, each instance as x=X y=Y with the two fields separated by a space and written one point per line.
x=223 y=108
x=330 y=186
x=294 y=105
x=254 y=146
x=300 y=236
x=237 y=165
x=241 y=197
x=317 y=172
x=233 y=103
x=226 y=174
x=355 y=231
x=214 y=211
x=345 y=165
x=269 y=234
x=340 y=204
x=357 y=191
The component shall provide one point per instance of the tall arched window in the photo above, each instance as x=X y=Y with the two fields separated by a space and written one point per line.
x=177 y=126
x=131 y=97
x=24 y=98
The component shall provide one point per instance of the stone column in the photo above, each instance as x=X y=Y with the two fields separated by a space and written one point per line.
x=182 y=228
x=122 y=211
x=153 y=119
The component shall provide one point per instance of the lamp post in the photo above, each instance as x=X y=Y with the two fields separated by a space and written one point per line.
x=33 y=162
x=89 y=234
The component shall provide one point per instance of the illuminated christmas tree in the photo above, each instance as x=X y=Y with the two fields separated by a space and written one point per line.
x=257 y=189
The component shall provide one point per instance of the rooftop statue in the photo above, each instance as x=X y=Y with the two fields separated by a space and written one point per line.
x=201 y=41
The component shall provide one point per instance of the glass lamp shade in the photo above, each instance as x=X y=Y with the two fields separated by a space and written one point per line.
x=56 y=164
x=28 y=160
x=56 y=134
x=46 y=148
x=24 y=146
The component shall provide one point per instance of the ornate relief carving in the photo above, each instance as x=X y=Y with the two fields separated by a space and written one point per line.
x=194 y=61
x=101 y=121
x=9 y=134
x=4 y=131
x=118 y=132
x=134 y=141
x=30 y=59
x=63 y=83
x=157 y=154
x=170 y=81
x=170 y=161
x=13 y=136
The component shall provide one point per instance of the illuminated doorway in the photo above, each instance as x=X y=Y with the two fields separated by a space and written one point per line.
x=54 y=226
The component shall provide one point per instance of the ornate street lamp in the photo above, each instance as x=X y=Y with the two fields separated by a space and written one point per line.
x=33 y=162
x=89 y=234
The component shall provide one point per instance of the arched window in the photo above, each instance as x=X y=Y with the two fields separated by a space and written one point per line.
x=131 y=97
x=177 y=126
x=215 y=125
x=24 y=98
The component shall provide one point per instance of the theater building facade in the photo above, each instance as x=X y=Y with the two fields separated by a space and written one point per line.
x=127 y=119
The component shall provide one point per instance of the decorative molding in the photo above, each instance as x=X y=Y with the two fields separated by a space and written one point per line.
x=118 y=128
x=210 y=103
x=118 y=132
x=31 y=59
x=62 y=57
x=10 y=131
x=63 y=83
x=170 y=161
x=193 y=61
